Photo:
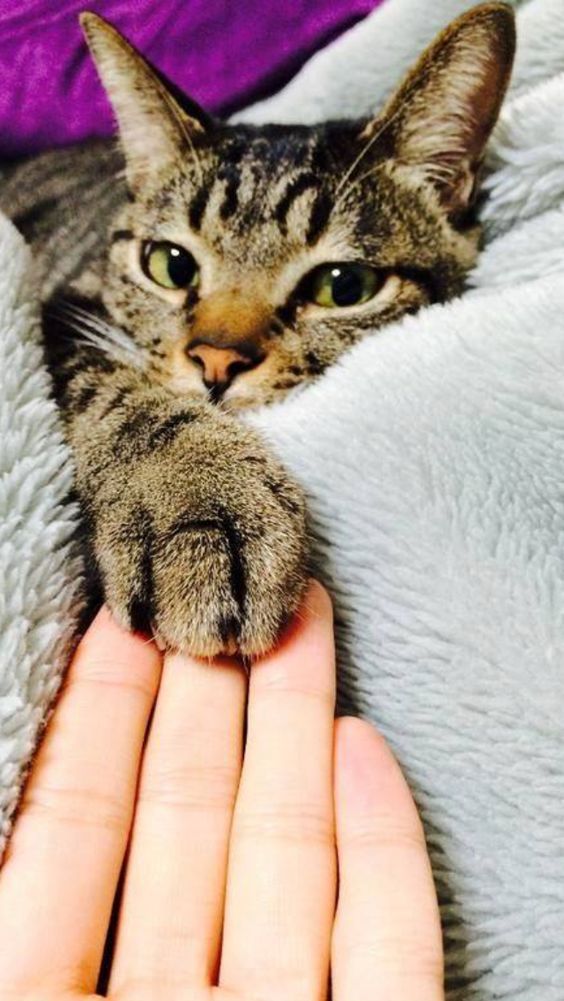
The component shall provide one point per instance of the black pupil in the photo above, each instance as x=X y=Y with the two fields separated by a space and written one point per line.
x=181 y=266
x=346 y=286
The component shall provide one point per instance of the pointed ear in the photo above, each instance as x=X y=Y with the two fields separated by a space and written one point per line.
x=439 y=120
x=156 y=129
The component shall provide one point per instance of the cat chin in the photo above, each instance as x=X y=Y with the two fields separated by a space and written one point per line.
x=183 y=385
x=236 y=399
x=234 y=402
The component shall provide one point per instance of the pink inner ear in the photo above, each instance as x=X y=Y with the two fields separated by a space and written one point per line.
x=483 y=104
x=486 y=102
x=440 y=118
x=458 y=195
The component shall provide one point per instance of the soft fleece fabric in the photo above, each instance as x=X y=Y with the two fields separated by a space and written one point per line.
x=222 y=53
x=433 y=458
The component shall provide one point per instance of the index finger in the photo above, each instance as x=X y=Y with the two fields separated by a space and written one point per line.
x=387 y=936
x=60 y=875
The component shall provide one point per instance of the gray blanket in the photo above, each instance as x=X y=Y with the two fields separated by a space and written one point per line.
x=433 y=458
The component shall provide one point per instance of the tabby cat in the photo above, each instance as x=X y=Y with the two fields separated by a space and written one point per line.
x=205 y=268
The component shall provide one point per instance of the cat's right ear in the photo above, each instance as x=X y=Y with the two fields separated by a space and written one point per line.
x=156 y=131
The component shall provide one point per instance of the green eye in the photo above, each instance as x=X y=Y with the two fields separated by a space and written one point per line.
x=340 y=285
x=169 y=265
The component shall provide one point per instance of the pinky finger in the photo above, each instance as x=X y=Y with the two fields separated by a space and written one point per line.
x=387 y=936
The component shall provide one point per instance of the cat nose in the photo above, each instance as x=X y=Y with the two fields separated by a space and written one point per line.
x=221 y=365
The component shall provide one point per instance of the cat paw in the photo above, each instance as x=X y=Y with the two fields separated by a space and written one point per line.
x=205 y=546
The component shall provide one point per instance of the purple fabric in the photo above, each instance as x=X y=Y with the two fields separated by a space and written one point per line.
x=222 y=52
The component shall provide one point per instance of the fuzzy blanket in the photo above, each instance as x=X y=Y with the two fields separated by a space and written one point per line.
x=433 y=457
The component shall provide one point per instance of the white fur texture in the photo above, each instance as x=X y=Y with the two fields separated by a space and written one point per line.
x=38 y=577
x=540 y=56
x=433 y=457
x=526 y=157
x=434 y=463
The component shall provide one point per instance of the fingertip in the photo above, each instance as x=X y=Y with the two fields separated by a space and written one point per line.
x=108 y=649
x=367 y=774
x=356 y=739
x=104 y=622
x=354 y=727
x=314 y=614
x=305 y=652
x=316 y=602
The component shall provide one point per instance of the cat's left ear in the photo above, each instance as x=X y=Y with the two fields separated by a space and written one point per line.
x=438 y=122
x=155 y=129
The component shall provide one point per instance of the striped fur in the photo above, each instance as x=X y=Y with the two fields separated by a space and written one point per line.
x=192 y=529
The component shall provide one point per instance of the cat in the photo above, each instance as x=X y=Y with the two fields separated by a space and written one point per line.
x=202 y=269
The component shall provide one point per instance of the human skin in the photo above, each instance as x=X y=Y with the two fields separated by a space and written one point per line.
x=268 y=846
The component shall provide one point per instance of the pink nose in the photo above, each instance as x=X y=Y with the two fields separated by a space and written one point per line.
x=220 y=365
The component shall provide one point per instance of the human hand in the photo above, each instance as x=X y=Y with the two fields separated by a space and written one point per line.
x=231 y=872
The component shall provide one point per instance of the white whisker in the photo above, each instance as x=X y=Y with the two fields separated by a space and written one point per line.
x=94 y=330
x=365 y=149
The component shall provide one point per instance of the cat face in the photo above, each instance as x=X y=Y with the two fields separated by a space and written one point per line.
x=248 y=259
x=277 y=271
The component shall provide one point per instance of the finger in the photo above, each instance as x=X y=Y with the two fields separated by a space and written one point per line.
x=387 y=937
x=172 y=909
x=282 y=866
x=59 y=880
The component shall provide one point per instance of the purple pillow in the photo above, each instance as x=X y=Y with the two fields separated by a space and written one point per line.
x=223 y=54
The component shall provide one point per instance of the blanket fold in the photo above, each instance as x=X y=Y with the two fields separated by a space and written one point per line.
x=39 y=594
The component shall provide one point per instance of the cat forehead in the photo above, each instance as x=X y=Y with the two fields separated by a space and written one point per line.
x=263 y=171
x=260 y=197
x=266 y=159
x=259 y=193
x=276 y=146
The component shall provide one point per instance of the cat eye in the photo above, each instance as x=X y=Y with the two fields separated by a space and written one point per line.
x=340 y=285
x=169 y=265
